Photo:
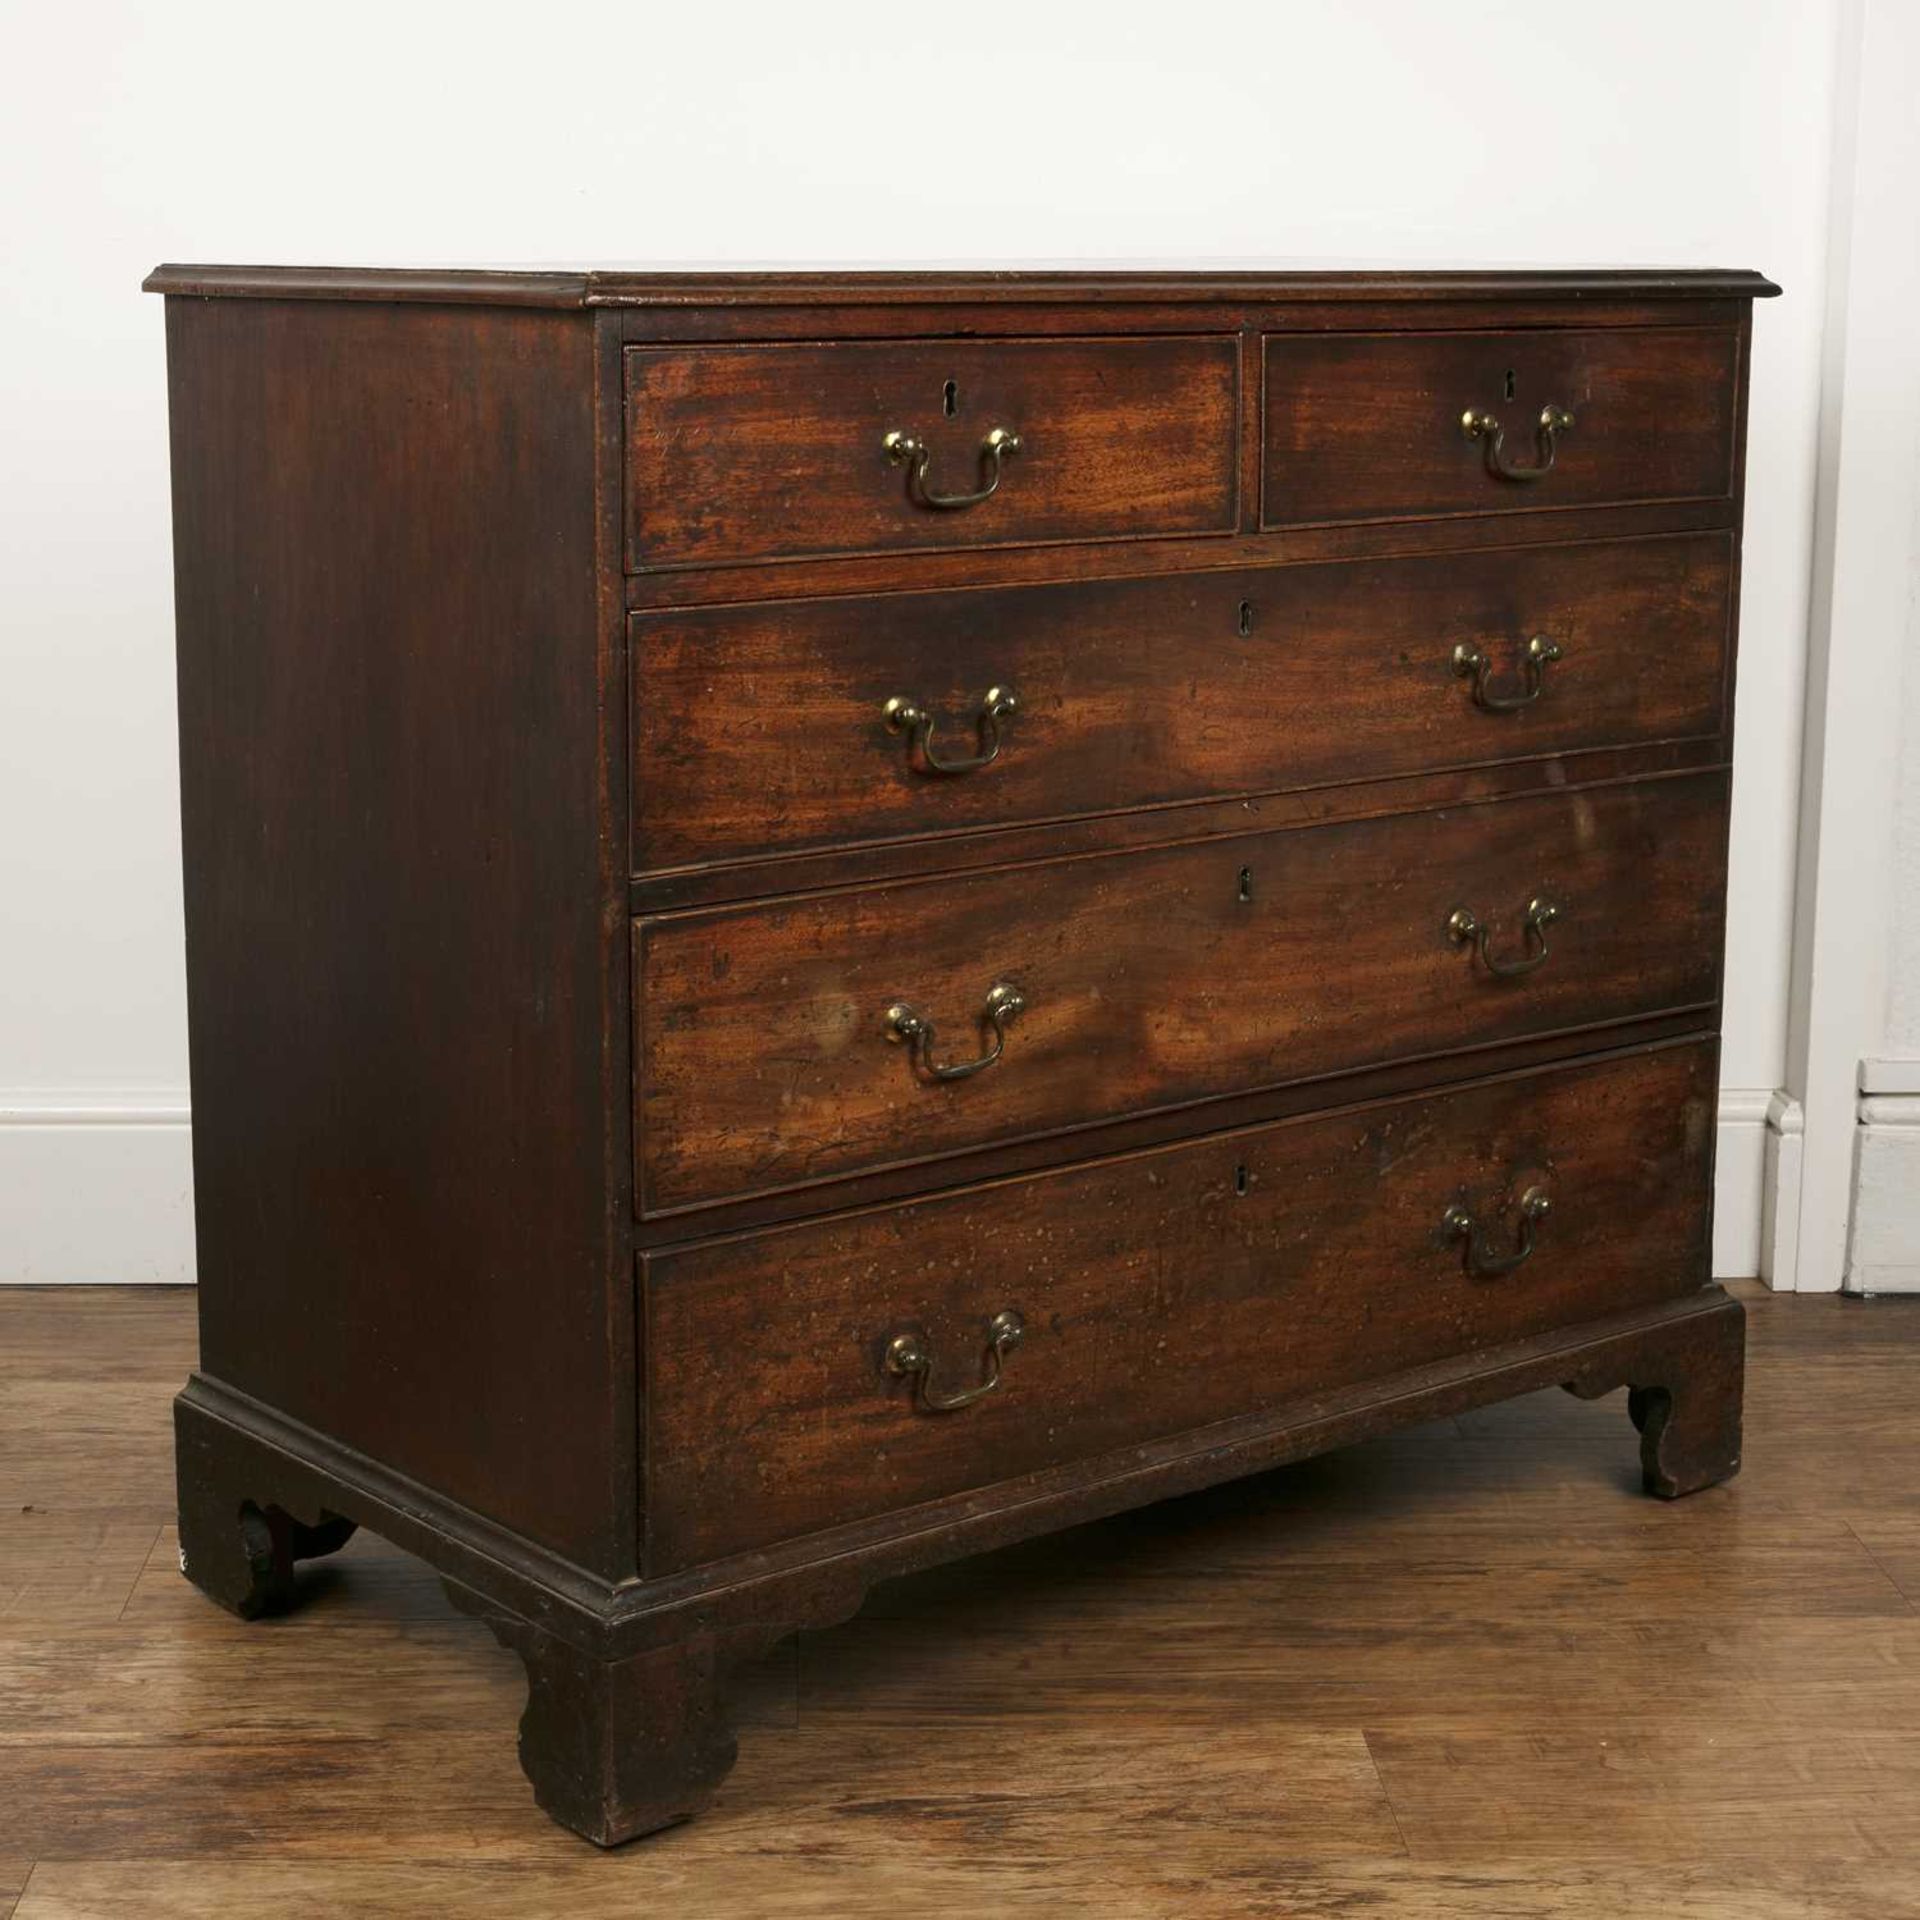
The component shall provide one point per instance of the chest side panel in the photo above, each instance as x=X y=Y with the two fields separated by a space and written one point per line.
x=395 y=852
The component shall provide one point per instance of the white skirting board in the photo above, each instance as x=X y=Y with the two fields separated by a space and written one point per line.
x=1883 y=1247
x=1756 y=1198
x=99 y=1187
x=1739 y=1180
x=95 y=1186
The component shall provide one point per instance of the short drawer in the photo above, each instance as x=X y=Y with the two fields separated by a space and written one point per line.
x=804 y=724
x=789 y=1372
x=1376 y=426
x=776 y=452
x=787 y=1042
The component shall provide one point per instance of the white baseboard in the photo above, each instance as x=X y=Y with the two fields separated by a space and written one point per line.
x=99 y=1187
x=1739 y=1182
x=1883 y=1249
x=95 y=1186
x=1756 y=1199
x=1780 y=1194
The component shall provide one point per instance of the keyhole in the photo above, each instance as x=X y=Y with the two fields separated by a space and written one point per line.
x=1246 y=884
x=1240 y=1179
x=950 y=396
x=1246 y=618
x=1509 y=386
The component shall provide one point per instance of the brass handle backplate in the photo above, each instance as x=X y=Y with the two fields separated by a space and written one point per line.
x=1478 y=425
x=912 y=719
x=1467 y=927
x=1458 y=1223
x=908 y=1356
x=908 y=1025
x=1471 y=664
x=907 y=450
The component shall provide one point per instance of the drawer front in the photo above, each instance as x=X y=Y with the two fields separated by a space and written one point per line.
x=776 y=728
x=774 y=452
x=770 y=1054
x=1370 y=427
x=1156 y=1293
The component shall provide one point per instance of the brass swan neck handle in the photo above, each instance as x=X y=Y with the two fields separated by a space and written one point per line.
x=909 y=717
x=1465 y=926
x=910 y=1027
x=1553 y=421
x=909 y=1357
x=1470 y=663
x=1458 y=1223
x=909 y=451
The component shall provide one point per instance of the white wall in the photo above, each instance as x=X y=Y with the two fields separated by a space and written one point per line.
x=1863 y=1111
x=1388 y=131
x=1903 y=1008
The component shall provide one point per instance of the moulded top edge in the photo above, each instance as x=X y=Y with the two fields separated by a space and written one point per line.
x=717 y=288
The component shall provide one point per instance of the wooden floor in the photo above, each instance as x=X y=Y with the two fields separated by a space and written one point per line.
x=1467 y=1671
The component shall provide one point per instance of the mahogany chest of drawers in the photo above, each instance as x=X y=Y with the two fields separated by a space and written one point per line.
x=834 y=919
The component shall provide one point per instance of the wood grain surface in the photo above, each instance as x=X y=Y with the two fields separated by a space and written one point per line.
x=1160 y=1291
x=773 y=452
x=762 y=729
x=1458 y=1672
x=392 y=806
x=622 y=286
x=1368 y=428
x=441 y=1029
x=1153 y=979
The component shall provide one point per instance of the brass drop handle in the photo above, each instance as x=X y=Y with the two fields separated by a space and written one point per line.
x=909 y=1026
x=909 y=1358
x=1553 y=422
x=1471 y=664
x=908 y=717
x=1458 y=1223
x=906 y=450
x=1465 y=926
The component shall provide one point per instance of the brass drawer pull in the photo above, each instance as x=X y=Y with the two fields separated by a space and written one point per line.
x=906 y=716
x=1464 y=925
x=907 y=1356
x=1553 y=422
x=1471 y=664
x=1458 y=1223
x=903 y=449
x=908 y=1024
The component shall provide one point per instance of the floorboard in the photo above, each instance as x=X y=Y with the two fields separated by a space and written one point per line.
x=1469 y=1670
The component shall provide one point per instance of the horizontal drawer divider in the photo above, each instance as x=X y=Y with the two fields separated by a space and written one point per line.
x=1379 y=1088
x=770 y=876
x=1134 y=1133
x=655 y=896
x=1692 y=1017
x=753 y=582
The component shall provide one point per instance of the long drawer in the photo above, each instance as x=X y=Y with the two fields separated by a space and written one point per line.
x=1399 y=426
x=797 y=1040
x=809 y=723
x=774 y=452
x=790 y=1373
